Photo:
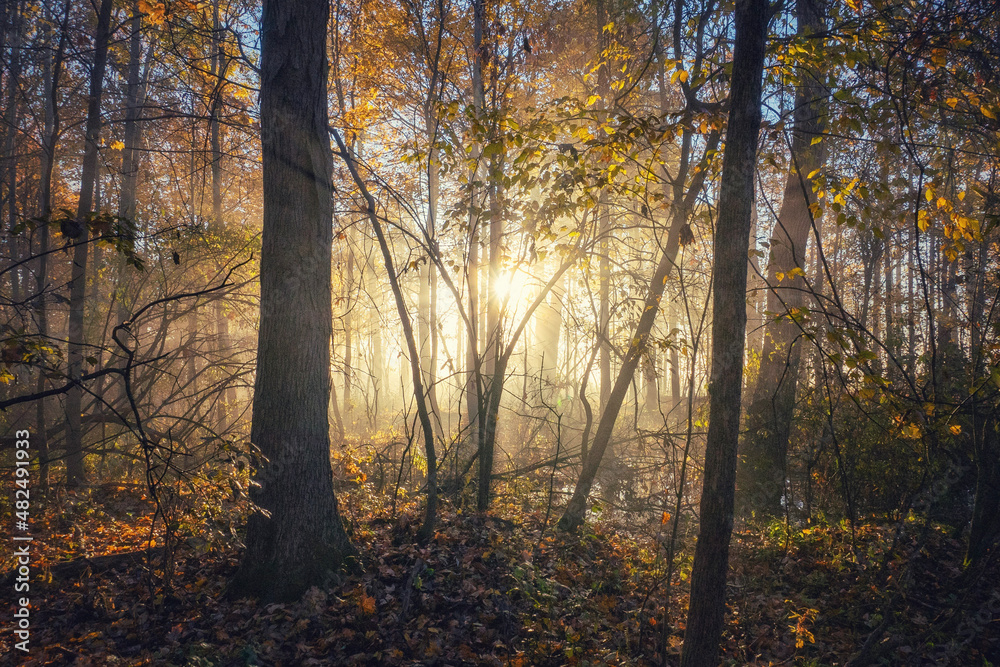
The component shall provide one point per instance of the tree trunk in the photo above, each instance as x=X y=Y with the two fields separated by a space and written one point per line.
x=474 y=384
x=348 y=325
x=134 y=99
x=219 y=65
x=493 y=368
x=430 y=515
x=75 y=473
x=298 y=537
x=762 y=470
x=604 y=219
x=10 y=120
x=711 y=559
x=52 y=69
x=575 y=509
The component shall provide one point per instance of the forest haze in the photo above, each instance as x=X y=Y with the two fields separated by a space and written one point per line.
x=438 y=332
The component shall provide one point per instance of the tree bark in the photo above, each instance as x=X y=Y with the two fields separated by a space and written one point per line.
x=762 y=470
x=297 y=538
x=711 y=559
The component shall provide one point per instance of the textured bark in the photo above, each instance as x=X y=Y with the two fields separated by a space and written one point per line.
x=711 y=559
x=75 y=473
x=761 y=480
x=297 y=538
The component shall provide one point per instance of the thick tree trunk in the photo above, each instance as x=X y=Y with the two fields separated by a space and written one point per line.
x=297 y=538
x=75 y=473
x=711 y=559
x=762 y=471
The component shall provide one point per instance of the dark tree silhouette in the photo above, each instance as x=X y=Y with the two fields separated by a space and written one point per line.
x=732 y=233
x=296 y=538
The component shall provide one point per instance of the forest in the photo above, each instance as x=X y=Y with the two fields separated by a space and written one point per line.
x=497 y=332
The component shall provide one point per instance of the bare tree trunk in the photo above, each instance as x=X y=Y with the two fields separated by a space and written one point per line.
x=219 y=65
x=13 y=20
x=711 y=558
x=604 y=221
x=52 y=67
x=298 y=536
x=430 y=515
x=575 y=509
x=762 y=470
x=474 y=388
x=493 y=368
x=75 y=473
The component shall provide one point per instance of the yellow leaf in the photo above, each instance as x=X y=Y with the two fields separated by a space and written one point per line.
x=780 y=275
x=929 y=194
x=117 y=145
x=955 y=429
x=952 y=102
x=942 y=202
x=961 y=196
x=988 y=113
x=665 y=518
x=682 y=75
x=815 y=141
x=592 y=99
x=812 y=174
x=367 y=604
x=797 y=271
x=922 y=221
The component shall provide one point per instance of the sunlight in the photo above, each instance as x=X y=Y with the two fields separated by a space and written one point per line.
x=513 y=290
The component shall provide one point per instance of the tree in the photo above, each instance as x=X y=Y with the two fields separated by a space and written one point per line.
x=75 y=472
x=297 y=537
x=711 y=558
x=762 y=471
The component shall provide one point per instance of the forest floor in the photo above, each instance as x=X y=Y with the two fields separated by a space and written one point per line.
x=491 y=590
